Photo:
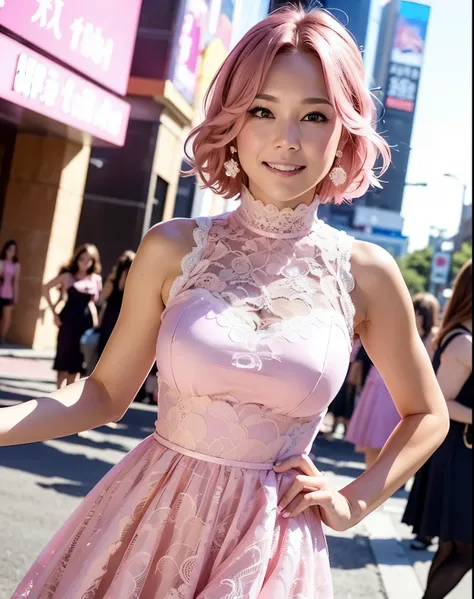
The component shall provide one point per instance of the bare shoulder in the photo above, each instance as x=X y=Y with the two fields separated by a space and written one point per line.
x=460 y=349
x=370 y=261
x=172 y=234
x=377 y=279
x=166 y=244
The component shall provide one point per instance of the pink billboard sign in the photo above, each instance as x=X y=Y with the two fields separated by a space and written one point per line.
x=95 y=37
x=32 y=81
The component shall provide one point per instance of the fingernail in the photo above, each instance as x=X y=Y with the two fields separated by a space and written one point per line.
x=277 y=463
x=285 y=515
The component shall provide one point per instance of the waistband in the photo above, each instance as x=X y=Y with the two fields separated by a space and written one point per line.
x=213 y=459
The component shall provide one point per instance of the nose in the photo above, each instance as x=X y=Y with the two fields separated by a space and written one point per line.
x=287 y=136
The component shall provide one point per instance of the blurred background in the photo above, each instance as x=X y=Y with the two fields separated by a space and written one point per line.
x=96 y=99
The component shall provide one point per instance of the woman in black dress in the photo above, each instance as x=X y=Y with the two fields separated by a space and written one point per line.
x=440 y=502
x=111 y=298
x=82 y=283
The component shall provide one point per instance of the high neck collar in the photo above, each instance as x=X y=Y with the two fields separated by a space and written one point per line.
x=269 y=221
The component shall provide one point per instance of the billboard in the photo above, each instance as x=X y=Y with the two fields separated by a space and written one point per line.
x=36 y=83
x=94 y=37
x=186 y=67
x=204 y=22
x=407 y=56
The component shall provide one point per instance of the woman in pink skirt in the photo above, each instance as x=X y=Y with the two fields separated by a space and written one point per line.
x=250 y=317
x=376 y=416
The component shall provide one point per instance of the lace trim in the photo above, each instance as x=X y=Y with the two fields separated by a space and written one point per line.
x=192 y=259
x=268 y=220
x=346 y=280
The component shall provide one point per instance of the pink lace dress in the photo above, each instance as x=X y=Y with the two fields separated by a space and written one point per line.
x=254 y=344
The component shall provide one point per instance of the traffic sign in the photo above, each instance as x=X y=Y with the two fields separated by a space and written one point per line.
x=440 y=268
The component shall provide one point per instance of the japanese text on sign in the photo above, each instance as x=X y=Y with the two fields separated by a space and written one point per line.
x=85 y=37
x=36 y=81
x=402 y=87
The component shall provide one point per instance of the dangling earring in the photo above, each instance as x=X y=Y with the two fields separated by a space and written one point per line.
x=232 y=166
x=338 y=175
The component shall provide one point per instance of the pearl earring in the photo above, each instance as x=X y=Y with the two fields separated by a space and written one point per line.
x=338 y=175
x=232 y=166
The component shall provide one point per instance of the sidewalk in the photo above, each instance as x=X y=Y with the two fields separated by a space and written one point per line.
x=403 y=572
x=19 y=363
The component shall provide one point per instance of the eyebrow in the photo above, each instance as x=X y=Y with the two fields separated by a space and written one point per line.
x=270 y=98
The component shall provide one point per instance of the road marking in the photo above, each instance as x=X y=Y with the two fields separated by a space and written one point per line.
x=398 y=576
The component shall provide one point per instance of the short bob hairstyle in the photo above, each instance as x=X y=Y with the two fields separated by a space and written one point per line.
x=241 y=77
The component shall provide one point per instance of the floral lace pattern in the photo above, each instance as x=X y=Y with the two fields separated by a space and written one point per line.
x=266 y=280
x=254 y=344
x=285 y=223
x=220 y=427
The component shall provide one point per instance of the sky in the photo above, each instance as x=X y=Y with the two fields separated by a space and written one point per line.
x=441 y=138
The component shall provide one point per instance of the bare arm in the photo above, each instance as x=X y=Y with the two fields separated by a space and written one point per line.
x=456 y=366
x=61 y=282
x=122 y=368
x=106 y=292
x=94 y=314
x=388 y=331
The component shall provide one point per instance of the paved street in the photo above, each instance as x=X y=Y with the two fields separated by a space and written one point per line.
x=41 y=484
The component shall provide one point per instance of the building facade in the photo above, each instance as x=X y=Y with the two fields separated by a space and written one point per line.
x=64 y=70
x=180 y=45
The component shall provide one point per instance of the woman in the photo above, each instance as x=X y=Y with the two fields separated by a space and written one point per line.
x=112 y=296
x=440 y=502
x=376 y=416
x=342 y=405
x=82 y=283
x=250 y=316
x=10 y=272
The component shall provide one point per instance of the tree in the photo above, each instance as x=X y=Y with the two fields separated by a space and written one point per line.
x=416 y=268
x=413 y=280
x=460 y=258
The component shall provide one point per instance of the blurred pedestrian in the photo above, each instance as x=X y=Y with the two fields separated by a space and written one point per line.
x=111 y=298
x=440 y=502
x=10 y=272
x=375 y=416
x=343 y=404
x=427 y=319
x=82 y=283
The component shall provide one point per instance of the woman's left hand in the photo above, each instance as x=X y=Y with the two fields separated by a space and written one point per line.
x=311 y=489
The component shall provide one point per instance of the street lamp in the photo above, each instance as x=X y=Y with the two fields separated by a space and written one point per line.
x=464 y=186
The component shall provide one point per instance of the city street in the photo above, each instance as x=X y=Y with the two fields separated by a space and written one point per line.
x=41 y=484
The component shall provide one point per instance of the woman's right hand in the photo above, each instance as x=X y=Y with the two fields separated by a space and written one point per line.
x=57 y=320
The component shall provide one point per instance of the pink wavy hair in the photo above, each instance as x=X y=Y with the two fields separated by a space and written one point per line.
x=241 y=77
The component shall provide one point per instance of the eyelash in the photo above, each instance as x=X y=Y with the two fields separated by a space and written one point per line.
x=254 y=111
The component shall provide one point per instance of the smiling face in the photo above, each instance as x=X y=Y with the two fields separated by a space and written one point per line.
x=289 y=140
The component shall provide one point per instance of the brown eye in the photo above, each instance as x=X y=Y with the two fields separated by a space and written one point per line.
x=316 y=117
x=260 y=113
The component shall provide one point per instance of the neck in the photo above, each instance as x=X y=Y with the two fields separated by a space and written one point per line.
x=261 y=196
x=271 y=221
x=468 y=324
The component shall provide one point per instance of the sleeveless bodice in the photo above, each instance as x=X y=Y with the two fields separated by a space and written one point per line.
x=256 y=337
